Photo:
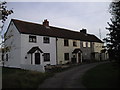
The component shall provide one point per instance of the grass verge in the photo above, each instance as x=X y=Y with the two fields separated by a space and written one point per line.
x=102 y=76
x=18 y=78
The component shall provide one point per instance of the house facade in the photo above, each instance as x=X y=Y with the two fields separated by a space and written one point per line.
x=35 y=44
x=28 y=49
x=65 y=48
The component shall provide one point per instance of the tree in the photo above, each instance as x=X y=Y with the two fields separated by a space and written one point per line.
x=113 y=39
x=4 y=13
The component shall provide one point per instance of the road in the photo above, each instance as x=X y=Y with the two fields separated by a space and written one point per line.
x=68 y=79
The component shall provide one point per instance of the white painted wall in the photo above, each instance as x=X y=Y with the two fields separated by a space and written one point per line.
x=39 y=68
x=46 y=48
x=61 y=49
x=13 y=42
x=98 y=47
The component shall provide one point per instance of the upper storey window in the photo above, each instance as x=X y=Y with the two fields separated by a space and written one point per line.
x=32 y=39
x=46 y=40
x=66 y=42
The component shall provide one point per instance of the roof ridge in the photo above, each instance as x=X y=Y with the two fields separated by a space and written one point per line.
x=25 y=21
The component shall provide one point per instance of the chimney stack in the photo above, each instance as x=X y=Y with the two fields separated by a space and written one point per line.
x=46 y=23
x=83 y=31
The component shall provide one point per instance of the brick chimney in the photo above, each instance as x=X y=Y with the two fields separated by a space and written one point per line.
x=83 y=31
x=46 y=23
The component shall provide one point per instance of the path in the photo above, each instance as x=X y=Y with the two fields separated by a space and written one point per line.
x=69 y=78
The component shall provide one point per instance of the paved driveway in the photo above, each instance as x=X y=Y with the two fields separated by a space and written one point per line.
x=68 y=79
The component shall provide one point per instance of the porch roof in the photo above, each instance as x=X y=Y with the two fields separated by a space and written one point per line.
x=77 y=50
x=33 y=49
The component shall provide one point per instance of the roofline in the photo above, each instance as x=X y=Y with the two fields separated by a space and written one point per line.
x=9 y=26
x=60 y=37
x=52 y=27
x=49 y=26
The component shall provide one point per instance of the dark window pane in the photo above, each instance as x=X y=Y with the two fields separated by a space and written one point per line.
x=32 y=39
x=6 y=57
x=66 y=56
x=46 y=40
x=66 y=42
x=46 y=56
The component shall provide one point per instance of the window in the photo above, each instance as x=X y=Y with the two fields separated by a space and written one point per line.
x=84 y=44
x=6 y=57
x=46 y=56
x=74 y=43
x=46 y=40
x=66 y=42
x=66 y=56
x=88 y=44
x=32 y=39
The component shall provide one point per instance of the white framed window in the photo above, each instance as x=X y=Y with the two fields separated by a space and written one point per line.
x=66 y=56
x=88 y=44
x=32 y=39
x=84 y=44
x=7 y=57
x=46 y=56
x=75 y=43
x=46 y=40
x=66 y=42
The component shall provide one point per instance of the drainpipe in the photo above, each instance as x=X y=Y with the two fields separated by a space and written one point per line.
x=56 y=52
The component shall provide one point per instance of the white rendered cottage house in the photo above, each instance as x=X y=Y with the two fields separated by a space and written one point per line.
x=27 y=47
x=35 y=44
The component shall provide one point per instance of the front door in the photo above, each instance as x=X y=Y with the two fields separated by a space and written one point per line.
x=37 y=58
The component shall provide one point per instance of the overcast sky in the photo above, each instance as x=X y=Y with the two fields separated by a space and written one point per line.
x=70 y=15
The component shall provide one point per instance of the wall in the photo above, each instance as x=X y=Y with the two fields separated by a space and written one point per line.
x=46 y=48
x=61 y=49
x=33 y=67
x=13 y=43
x=98 y=47
x=86 y=50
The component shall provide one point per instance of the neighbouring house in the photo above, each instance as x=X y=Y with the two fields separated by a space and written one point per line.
x=30 y=44
x=91 y=47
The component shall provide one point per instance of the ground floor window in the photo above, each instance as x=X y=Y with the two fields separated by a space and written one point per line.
x=46 y=56
x=6 y=57
x=66 y=56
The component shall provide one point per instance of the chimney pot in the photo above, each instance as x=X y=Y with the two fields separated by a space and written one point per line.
x=83 y=31
x=46 y=23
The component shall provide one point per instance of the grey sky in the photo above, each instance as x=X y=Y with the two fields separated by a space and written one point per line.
x=70 y=15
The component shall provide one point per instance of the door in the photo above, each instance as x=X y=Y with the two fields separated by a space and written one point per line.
x=37 y=58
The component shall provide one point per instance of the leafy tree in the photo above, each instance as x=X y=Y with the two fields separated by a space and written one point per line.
x=113 y=39
x=4 y=13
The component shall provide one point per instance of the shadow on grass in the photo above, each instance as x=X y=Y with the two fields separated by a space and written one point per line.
x=102 y=76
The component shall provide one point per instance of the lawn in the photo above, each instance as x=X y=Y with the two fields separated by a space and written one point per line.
x=18 y=78
x=102 y=76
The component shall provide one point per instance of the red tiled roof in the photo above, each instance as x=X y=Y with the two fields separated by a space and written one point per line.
x=38 y=29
